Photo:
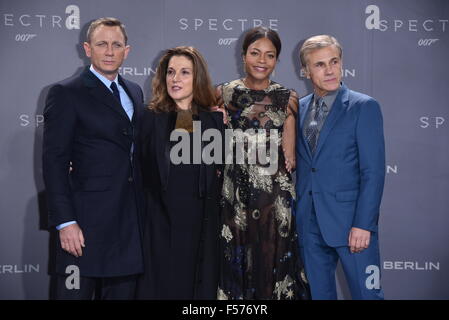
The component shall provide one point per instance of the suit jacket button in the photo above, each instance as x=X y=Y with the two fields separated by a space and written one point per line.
x=313 y=170
x=125 y=132
x=130 y=179
x=310 y=193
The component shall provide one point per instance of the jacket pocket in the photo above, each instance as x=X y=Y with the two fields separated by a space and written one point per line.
x=350 y=195
x=101 y=183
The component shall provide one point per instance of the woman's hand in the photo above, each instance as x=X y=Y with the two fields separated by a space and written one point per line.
x=290 y=161
x=222 y=110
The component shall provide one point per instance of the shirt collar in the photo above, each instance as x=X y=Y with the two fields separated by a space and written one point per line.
x=329 y=98
x=102 y=78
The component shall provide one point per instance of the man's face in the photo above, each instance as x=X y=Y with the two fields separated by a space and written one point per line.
x=324 y=69
x=107 y=50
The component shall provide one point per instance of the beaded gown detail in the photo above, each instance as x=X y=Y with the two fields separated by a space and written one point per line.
x=259 y=243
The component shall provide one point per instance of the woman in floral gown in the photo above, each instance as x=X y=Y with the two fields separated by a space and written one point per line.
x=259 y=244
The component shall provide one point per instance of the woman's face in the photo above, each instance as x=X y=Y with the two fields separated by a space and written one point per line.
x=260 y=59
x=179 y=80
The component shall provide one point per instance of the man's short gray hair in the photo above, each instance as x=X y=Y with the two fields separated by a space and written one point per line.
x=317 y=42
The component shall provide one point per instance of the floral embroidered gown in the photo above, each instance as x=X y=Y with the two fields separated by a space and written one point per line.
x=259 y=244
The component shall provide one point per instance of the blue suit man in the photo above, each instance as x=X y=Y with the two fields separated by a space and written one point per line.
x=340 y=177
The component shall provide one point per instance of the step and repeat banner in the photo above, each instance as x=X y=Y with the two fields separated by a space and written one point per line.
x=394 y=50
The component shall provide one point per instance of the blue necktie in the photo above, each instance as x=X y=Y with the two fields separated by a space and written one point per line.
x=312 y=131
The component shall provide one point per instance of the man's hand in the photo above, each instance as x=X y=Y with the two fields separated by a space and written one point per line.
x=72 y=239
x=358 y=240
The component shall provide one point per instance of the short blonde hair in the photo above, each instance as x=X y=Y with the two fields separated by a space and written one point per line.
x=109 y=22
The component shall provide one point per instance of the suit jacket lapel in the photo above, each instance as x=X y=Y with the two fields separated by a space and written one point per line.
x=340 y=105
x=101 y=93
x=163 y=127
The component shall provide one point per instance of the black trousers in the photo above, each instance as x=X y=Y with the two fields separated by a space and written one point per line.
x=115 y=288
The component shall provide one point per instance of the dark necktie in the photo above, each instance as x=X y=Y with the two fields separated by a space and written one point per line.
x=313 y=129
x=115 y=92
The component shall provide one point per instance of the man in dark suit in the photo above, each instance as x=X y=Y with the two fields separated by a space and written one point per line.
x=340 y=177
x=92 y=180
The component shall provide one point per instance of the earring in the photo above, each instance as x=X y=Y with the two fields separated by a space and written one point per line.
x=273 y=74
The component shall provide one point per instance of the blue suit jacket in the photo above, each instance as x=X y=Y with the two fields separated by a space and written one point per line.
x=345 y=176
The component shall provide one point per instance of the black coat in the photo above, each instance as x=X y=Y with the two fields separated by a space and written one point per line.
x=86 y=126
x=155 y=157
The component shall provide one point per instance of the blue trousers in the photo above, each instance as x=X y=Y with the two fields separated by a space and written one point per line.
x=362 y=270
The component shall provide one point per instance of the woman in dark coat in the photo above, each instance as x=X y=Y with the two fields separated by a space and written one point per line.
x=181 y=175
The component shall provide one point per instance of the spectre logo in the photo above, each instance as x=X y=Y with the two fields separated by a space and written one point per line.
x=226 y=41
x=27 y=120
x=72 y=21
x=373 y=21
x=431 y=122
x=225 y=26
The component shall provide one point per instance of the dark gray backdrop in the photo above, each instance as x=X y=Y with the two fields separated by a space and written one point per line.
x=394 y=50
